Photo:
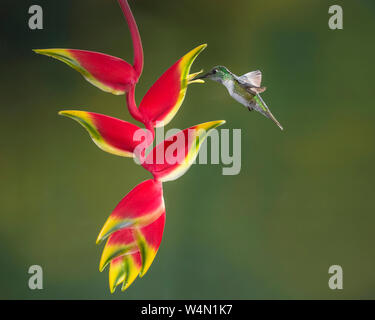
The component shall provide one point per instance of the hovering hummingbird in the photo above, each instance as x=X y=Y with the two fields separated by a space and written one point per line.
x=245 y=89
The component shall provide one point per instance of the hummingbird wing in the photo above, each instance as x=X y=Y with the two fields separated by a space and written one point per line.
x=254 y=78
x=252 y=81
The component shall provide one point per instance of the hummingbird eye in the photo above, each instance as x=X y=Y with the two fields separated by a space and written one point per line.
x=214 y=71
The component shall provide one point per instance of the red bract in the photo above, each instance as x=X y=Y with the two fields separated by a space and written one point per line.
x=109 y=134
x=135 y=227
x=170 y=159
x=162 y=101
x=108 y=73
x=141 y=206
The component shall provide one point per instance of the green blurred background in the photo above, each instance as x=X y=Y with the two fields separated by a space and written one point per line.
x=302 y=202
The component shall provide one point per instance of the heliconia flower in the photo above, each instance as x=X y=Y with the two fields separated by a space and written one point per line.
x=141 y=206
x=108 y=73
x=170 y=159
x=131 y=251
x=124 y=269
x=134 y=230
x=118 y=244
x=148 y=240
x=138 y=212
x=164 y=98
x=109 y=134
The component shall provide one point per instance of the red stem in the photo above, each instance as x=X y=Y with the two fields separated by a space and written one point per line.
x=135 y=113
x=138 y=65
x=150 y=128
x=134 y=32
x=132 y=106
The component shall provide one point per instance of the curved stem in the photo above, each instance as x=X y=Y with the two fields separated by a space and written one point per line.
x=134 y=32
x=132 y=106
x=136 y=114
x=151 y=129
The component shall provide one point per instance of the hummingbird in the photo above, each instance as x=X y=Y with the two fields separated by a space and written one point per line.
x=245 y=89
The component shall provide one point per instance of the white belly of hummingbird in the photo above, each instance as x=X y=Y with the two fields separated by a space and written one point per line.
x=241 y=96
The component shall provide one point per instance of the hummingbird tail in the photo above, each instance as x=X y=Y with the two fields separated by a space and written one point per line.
x=263 y=109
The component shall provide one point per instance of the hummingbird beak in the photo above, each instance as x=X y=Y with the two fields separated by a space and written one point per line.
x=204 y=76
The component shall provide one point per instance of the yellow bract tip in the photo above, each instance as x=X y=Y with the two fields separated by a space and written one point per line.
x=72 y=113
x=196 y=81
x=63 y=113
x=191 y=55
x=81 y=116
x=211 y=125
x=191 y=76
